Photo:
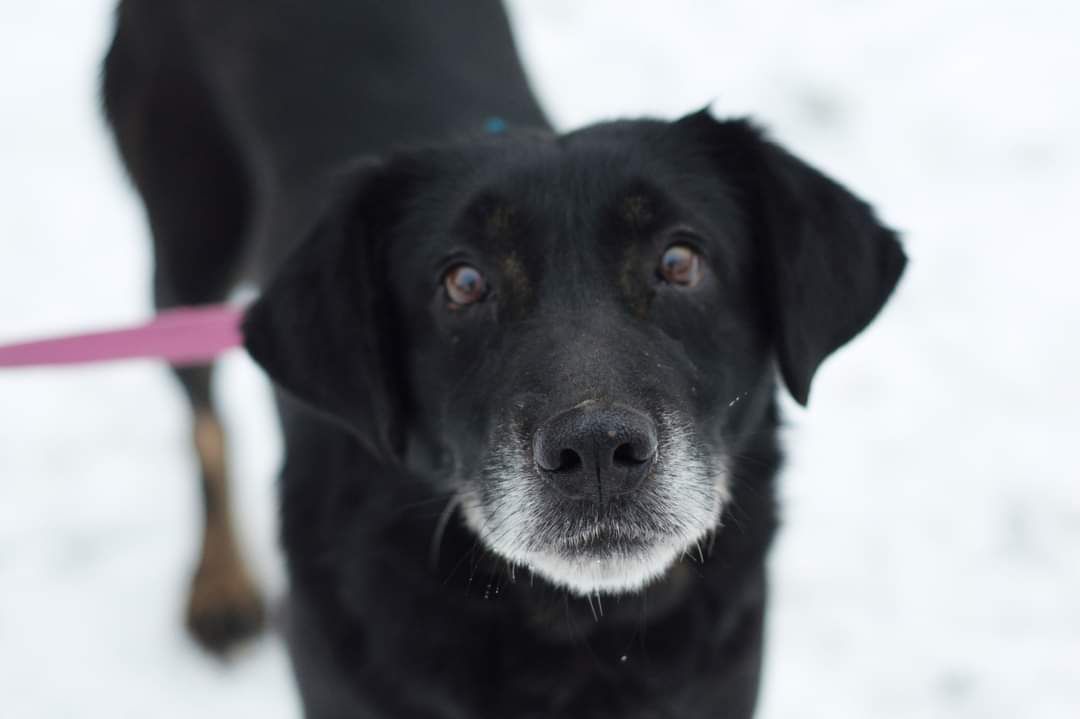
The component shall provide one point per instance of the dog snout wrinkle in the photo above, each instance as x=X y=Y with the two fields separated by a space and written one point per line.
x=595 y=452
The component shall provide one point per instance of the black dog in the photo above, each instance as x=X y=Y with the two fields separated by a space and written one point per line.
x=528 y=379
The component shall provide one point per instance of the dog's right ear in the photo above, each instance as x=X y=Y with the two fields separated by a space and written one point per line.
x=829 y=264
x=322 y=328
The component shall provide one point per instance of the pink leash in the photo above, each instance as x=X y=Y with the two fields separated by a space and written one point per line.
x=181 y=336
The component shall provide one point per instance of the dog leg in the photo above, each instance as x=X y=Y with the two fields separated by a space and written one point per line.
x=224 y=606
x=194 y=184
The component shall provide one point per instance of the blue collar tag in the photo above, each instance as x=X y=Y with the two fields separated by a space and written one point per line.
x=494 y=125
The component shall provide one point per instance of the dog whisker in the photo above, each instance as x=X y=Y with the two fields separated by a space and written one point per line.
x=440 y=530
x=592 y=608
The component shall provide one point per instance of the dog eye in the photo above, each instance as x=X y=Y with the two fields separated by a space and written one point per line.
x=681 y=265
x=464 y=285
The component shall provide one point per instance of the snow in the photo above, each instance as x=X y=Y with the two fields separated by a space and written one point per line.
x=930 y=562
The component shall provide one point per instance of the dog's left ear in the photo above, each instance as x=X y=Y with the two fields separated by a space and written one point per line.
x=829 y=266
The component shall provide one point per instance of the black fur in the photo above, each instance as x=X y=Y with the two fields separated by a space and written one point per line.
x=396 y=405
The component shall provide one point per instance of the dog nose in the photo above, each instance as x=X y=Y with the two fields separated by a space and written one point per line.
x=595 y=451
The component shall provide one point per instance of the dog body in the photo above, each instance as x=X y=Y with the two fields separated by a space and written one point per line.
x=527 y=381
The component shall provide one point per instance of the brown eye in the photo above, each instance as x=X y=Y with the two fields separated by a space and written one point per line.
x=681 y=265
x=465 y=285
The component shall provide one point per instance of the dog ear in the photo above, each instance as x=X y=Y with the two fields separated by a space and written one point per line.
x=829 y=266
x=321 y=329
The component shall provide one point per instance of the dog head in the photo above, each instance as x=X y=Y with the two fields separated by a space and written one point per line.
x=572 y=334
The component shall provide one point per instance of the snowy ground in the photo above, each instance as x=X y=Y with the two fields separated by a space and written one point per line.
x=930 y=564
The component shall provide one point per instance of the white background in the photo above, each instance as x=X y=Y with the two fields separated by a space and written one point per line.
x=930 y=562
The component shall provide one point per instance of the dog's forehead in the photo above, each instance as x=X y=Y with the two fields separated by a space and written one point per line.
x=566 y=197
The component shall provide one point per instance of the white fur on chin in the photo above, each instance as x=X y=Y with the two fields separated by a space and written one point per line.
x=506 y=526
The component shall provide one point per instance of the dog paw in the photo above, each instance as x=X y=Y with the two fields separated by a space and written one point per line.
x=224 y=608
